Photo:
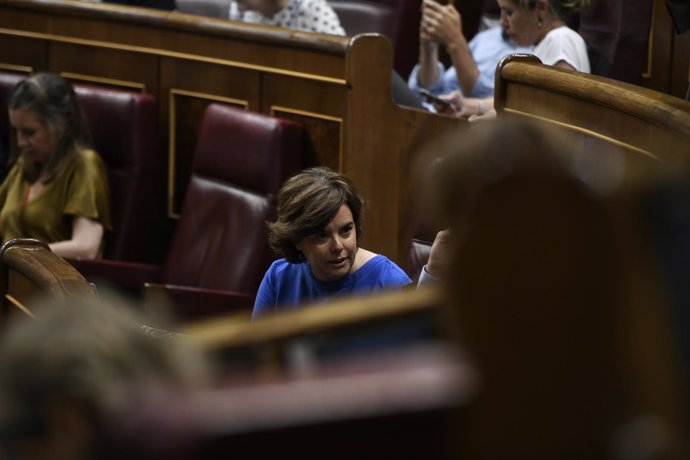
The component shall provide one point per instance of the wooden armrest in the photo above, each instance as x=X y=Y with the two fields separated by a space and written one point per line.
x=189 y=303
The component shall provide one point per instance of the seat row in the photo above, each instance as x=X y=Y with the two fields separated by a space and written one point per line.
x=219 y=243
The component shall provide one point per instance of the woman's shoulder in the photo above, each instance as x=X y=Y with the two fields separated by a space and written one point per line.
x=564 y=33
x=384 y=268
x=283 y=268
x=88 y=160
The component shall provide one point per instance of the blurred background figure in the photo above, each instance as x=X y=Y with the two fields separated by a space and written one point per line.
x=309 y=15
x=473 y=64
x=542 y=24
x=71 y=379
x=57 y=190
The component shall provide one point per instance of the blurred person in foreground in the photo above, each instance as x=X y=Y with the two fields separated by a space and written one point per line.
x=57 y=189
x=73 y=378
x=556 y=297
x=316 y=232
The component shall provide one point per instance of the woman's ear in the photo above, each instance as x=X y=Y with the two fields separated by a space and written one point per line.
x=542 y=8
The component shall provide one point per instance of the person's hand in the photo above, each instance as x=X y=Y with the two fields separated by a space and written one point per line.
x=440 y=24
x=455 y=100
x=439 y=257
x=488 y=115
x=476 y=109
x=471 y=107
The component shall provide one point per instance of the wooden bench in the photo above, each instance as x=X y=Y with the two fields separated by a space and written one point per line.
x=641 y=126
x=339 y=88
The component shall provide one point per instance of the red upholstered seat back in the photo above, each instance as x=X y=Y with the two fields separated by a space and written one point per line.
x=617 y=35
x=366 y=16
x=396 y=19
x=8 y=80
x=240 y=162
x=125 y=133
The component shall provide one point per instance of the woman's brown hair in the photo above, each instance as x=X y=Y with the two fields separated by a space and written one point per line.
x=306 y=203
x=54 y=101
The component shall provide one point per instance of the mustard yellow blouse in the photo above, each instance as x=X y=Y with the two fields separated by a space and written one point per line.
x=81 y=191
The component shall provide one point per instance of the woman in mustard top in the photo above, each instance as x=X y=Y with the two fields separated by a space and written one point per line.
x=57 y=189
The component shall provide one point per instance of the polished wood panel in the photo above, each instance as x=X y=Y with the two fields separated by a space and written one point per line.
x=338 y=87
x=29 y=268
x=648 y=126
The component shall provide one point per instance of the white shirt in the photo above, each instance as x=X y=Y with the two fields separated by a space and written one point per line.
x=563 y=44
x=309 y=15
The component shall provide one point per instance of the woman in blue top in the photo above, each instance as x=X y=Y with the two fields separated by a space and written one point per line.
x=316 y=232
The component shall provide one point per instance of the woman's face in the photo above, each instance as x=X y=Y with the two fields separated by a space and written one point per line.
x=521 y=24
x=331 y=252
x=35 y=139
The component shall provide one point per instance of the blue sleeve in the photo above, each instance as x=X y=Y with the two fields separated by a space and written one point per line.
x=484 y=85
x=440 y=86
x=266 y=296
x=395 y=276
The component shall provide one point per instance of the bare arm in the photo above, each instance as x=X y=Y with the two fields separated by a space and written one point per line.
x=442 y=24
x=87 y=235
x=428 y=55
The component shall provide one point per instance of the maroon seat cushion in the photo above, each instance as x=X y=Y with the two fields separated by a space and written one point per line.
x=617 y=36
x=240 y=162
x=125 y=133
x=8 y=80
x=366 y=16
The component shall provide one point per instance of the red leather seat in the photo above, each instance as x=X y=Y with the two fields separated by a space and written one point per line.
x=8 y=80
x=617 y=35
x=125 y=133
x=219 y=251
x=240 y=162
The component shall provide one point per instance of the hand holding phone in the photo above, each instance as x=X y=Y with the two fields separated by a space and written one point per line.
x=442 y=105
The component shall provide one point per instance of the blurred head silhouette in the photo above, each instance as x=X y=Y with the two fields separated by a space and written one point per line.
x=69 y=378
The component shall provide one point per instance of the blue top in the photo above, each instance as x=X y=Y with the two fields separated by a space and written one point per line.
x=487 y=48
x=286 y=284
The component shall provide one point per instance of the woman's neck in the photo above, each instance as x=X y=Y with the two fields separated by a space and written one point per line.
x=548 y=26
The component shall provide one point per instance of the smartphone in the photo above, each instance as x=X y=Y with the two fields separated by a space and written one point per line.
x=434 y=99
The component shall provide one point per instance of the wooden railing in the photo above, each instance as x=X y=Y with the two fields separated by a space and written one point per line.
x=602 y=116
x=339 y=88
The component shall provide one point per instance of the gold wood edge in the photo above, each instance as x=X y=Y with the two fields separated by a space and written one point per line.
x=647 y=73
x=19 y=305
x=172 y=154
x=276 y=109
x=17 y=68
x=585 y=131
x=228 y=331
x=174 y=54
x=571 y=84
x=109 y=81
